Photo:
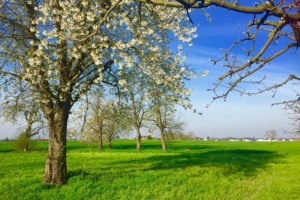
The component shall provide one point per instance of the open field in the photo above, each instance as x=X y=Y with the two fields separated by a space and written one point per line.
x=189 y=170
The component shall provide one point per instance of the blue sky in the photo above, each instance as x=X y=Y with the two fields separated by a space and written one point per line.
x=239 y=116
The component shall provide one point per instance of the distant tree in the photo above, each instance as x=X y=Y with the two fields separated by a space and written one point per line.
x=118 y=122
x=163 y=97
x=144 y=93
x=271 y=134
x=149 y=136
x=170 y=127
x=175 y=129
x=134 y=93
x=96 y=119
x=179 y=136
x=163 y=100
x=163 y=111
x=18 y=106
x=105 y=119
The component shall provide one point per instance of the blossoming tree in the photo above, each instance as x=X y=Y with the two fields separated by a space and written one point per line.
x=141 y=91
x=60 y=49
x=163 y=97
x=18 y=104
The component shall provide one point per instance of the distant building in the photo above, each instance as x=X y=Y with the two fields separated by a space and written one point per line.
x=263 y=140
x=246 y=140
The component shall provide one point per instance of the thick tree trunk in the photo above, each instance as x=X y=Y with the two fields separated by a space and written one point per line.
x=26 y=144
x=138 y=138
x=100 y=142
x=28 y=131
x=56 y=164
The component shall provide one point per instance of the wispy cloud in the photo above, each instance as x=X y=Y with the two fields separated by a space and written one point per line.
x=239 y=116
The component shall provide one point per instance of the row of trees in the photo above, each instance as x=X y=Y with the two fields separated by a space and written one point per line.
x=97 y=119
x=105 y=120
x=130 y=112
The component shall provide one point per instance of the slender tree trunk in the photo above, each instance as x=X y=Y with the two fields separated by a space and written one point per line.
x=56 y=164
x=100 y=142
x=161 y=128
x=138 y=138
x=163 y=140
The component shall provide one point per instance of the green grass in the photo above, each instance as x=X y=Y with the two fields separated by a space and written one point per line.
x=189 y=170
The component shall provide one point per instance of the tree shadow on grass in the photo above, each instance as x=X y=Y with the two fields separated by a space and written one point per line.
x=80 y=146
x=103 y=174
x=82 y=174
x=230 y=162
x=240 y=162
x=172 y=146
x=6 y=150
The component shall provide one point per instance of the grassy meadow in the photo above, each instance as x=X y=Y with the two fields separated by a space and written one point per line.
x=188 y=170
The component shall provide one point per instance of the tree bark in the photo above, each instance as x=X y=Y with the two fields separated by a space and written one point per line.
x=56 y=164
x=138 y=138
x=163 y=140
x=161 y=128
x=27 y=135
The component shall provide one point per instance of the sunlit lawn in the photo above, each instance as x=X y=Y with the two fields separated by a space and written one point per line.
x=189 y=170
